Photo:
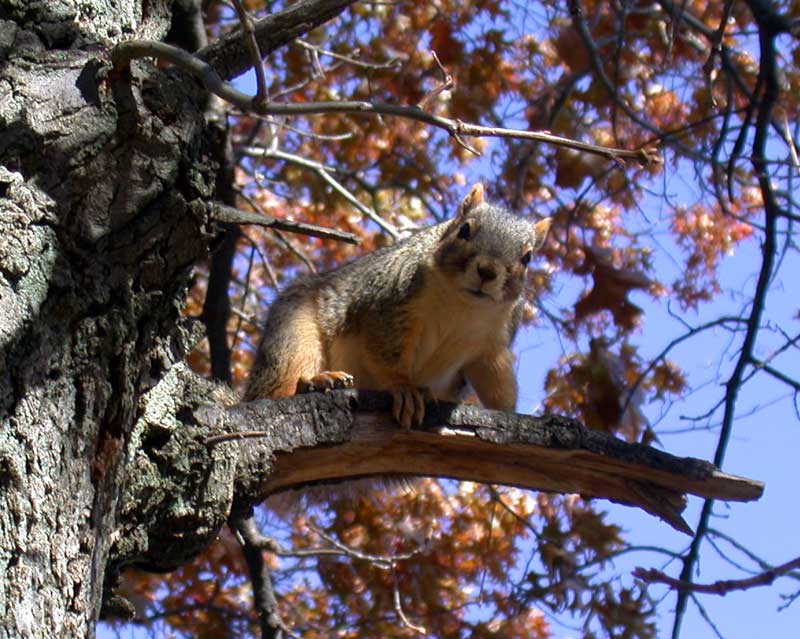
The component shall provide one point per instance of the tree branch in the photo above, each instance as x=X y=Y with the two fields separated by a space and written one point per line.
x=346 y=434
x=231 y=215
x=124 y=52
x=229 y=55
x=217 y=305
x=722 y=587
x=768 y=79
x=189 y=456
x=264 y=601
x=252 y=47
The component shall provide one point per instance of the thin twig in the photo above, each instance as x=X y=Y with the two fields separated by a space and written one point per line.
x=716 y=50
x=278 y=237
x=124 y=52
x=446 y=84
x=328 y=137
x=760 y=365
x=398 y=606
x=252 y=48
x=691 y=332
x=386 y=562
x=706 y=617
x=762 y=564
x=787 y=135
x=297 y=252
x=391 y=63
x=255 y=538
x=722 y=587
x=324 y=172
x=231 y=215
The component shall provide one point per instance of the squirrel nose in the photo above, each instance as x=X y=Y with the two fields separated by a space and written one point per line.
x=486 y=273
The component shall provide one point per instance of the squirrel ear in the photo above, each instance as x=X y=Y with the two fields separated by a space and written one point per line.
x=540 y=232
x=474 y=197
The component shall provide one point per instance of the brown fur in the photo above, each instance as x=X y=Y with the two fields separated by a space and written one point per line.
x=300 y=359
x=433 y=312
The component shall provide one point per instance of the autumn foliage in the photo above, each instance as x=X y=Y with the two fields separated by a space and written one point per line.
x=466 y=560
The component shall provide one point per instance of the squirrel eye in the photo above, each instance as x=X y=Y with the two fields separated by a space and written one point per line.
x=526 y=258
x=464 y=231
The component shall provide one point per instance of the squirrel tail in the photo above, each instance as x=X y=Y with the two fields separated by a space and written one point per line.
x=292 y=348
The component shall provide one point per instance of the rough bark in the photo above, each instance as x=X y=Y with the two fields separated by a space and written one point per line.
x=97 y=238
x=101 y=177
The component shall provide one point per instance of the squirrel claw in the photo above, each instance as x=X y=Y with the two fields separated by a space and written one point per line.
x=325 y=381
x=408 y=406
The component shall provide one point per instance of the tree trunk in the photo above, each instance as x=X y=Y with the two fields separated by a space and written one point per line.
x=96 y=239
x=104 y=179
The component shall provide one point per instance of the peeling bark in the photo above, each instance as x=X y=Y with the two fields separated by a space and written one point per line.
x=96 y=241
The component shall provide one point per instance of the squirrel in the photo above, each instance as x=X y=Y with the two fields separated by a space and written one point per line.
x=421 y=318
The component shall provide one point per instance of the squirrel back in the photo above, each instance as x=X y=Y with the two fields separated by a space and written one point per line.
x=435 y=311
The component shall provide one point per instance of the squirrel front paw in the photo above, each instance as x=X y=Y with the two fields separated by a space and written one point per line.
x=327 y=380
x=408 y=406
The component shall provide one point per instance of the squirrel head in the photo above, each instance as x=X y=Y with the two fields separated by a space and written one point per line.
x=485 y=250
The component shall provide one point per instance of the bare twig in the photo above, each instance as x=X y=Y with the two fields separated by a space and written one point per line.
x=252 y=48
x=787 y=135
x=722 y=587
x=760 y=365
x=264 y=601
x=398 y=605
x=273 y=278
x=294 y=250
x=124 y=52
x=278 y=238
x=386 y=562
x=273 y=122
x=762 y=564
x=245 y=317
x=248 y=530
x=706 y=617
x=391 y=63
x=716 y=49
x=446 y=84
x=768 y=78
x=325 y=173
x=690 y=333
x=231 y=215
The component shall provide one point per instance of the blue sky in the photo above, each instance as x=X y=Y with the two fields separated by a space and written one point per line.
x=764 y=445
